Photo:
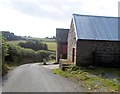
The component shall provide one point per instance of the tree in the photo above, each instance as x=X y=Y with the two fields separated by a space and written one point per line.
x=54 y=37
x=10 y=36
x=4 y=49
x=4 y=54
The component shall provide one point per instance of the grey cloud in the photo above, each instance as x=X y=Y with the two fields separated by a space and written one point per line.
x=34 y=8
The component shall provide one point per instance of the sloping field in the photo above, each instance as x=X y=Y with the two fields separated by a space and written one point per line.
x=50 y=42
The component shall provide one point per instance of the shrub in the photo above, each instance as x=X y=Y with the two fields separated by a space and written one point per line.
x=73 y=68
x=34 y=44
x=52 y=55
x=42 y=54
x=18 y=54
x=5 y=69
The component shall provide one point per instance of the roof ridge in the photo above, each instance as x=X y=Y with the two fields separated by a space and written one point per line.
x=74 y=14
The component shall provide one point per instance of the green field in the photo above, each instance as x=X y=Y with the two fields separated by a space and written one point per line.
x=51 y=45
x=15 y=42
x=45 y=40
x=50 y=42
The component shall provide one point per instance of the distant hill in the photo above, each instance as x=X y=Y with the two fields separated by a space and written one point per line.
x=10 y=36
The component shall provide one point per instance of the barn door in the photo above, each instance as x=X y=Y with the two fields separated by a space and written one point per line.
x=73 y=54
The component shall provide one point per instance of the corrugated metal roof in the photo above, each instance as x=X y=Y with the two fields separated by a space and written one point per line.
x=96 y=27
x=61 y=34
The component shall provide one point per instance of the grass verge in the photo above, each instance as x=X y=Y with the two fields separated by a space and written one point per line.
x=93 y=79
x=5 y=69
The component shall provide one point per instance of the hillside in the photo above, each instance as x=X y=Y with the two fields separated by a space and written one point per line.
x=50 y=42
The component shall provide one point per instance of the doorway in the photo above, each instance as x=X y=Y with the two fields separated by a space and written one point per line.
x=73 y=54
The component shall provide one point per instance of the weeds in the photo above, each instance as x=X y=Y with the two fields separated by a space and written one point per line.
x=93 y=79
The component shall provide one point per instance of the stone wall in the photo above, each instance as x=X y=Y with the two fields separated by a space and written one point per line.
x=71 y=43
x=99 y=53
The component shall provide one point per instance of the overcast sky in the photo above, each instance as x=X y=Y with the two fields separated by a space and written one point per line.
x=40 y=18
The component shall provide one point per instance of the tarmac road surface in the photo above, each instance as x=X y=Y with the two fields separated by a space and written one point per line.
x=38 y=78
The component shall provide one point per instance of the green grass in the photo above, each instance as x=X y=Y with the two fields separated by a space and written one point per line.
x=51 y=45
x=16 y=42
x=93 y=79
x=52 y=61
x=45 y=40
x=50 y=42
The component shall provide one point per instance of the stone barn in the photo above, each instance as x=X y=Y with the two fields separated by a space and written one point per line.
x=61 y=39
x=94 y=40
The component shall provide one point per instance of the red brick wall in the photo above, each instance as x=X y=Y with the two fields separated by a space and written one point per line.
x=61 y=51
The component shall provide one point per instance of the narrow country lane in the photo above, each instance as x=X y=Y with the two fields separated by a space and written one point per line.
x=38 y=78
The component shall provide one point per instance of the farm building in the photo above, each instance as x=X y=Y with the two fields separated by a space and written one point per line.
x=94 y=40
x=61 y=39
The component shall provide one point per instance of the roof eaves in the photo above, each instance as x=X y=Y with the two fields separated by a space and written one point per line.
x=75 y=27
